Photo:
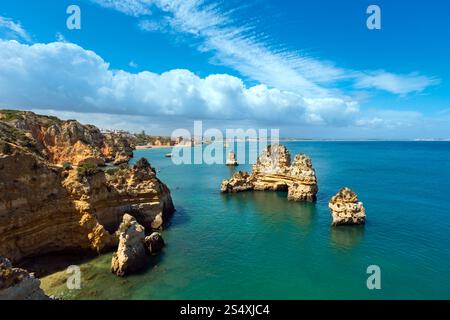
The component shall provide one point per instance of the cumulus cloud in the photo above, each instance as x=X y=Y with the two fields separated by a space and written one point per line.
x=64 y=76
x=10 y=29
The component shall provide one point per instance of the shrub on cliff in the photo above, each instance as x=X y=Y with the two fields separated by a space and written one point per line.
x=8 y=115
x=5 y=148
x=112 y=171
x=87 y=169
x=67 y=166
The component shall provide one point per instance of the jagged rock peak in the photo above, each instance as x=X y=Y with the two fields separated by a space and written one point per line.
x=274 y=159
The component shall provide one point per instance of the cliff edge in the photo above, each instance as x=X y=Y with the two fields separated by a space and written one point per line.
x=55 y=196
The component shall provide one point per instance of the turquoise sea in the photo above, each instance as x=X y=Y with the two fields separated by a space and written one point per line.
x=258 y=245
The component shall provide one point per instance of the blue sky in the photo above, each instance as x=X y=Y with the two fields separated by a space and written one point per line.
x=310 y=68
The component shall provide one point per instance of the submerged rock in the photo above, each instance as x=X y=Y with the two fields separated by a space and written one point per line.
x=274 y=171
x=346 y=209
x=130 y=255
x=18 y=284
x=154 y=243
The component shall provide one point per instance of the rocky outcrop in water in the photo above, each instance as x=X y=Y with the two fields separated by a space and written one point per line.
x=134 y=246
x=130 y=256
x=274 y=171
x=154 y=243
x=239 y=182
x=231 y=159
x=18 y=284
x=46 y=207
x=346 y=209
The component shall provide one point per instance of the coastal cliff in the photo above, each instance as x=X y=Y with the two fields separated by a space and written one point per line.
x=55 y=198
x=61 y=142
x=274 y=171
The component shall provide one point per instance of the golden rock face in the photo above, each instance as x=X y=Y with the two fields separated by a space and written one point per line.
x=45 y=207
x=66 y=141
x=130 y=255
x=346 y=209
x=274 y=171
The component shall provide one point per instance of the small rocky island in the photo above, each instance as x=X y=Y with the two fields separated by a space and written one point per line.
x=62 y=190
x=231 y=159
x=134 y=247
x=274 y=171
x=346 y=209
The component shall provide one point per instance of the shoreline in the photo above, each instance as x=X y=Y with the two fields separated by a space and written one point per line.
x=153 y=147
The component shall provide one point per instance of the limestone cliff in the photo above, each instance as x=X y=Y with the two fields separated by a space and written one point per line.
x=346 y=209
x=45 y=207
x=274 y=171
x=66 y=141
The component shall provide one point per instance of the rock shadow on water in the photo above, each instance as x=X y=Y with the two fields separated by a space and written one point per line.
x=98 y=282
x=181 y=217
x=347 y=237
x=51 y=263
x=271 y=205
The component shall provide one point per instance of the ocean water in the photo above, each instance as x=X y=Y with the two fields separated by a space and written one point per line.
x=258 y=245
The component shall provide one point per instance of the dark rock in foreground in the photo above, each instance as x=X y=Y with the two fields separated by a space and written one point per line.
x=154 y=243
x=18 y=284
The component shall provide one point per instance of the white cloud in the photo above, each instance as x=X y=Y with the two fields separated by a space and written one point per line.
x=392 y=119
x=134 y=8
x=242 y=48
x=150 y=25
x=81 y=81
x=398 y=84
x=12 y=30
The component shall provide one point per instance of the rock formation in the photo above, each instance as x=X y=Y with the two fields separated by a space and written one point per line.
x=130 y=255
x=154 y=243
x=18 y=284
x=46 y=207
x=274 y=171
x=346 y=209
x=67 y=141
x=239 y=182
x=231 y=160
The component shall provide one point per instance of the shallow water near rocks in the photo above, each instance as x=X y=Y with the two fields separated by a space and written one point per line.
x=258 y=245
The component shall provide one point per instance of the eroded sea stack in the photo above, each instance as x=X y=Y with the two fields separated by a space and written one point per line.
x=346 y=209
x=134 y=247
x=54 y=197
x=130 y=255
x=274 y=171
